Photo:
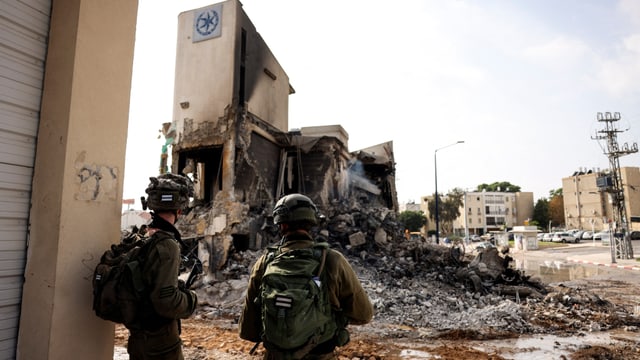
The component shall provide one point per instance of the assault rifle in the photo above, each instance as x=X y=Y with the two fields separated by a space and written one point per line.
x=190 y=259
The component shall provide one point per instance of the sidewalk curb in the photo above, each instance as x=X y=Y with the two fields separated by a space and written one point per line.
x=626 y=267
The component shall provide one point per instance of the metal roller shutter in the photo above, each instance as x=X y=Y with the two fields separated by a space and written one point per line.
x=24 y=29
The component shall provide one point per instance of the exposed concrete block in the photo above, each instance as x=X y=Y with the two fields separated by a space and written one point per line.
x=336 y=131
x=357 y=239
x=218 y=224
x=380 y=237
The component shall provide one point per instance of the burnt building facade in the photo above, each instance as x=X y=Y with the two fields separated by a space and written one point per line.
x=230 y=134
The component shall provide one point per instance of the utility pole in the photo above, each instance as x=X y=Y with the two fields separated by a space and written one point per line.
x=435 y=167
x=611 y=183
x=466 y=221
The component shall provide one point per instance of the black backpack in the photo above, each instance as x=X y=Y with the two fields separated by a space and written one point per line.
x=118 y=288
x=296 y=312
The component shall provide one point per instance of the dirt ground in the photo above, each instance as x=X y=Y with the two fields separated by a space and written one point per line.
x=423 y=313
x=217 y=338
x=206 y=340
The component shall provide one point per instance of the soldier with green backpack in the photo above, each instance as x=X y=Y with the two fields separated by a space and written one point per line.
x=301 y=294
x=155 y=333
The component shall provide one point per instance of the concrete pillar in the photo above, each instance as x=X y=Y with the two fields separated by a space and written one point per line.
x=78 y=177
x=228 y=156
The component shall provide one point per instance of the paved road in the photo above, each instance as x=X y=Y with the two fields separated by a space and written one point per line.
x=577 y=261
x=588 y=252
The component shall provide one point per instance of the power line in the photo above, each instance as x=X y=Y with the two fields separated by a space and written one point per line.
x=611 y=183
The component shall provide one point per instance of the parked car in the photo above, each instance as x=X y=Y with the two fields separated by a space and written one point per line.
x=484 y=245
x=487 y=237
x=564 y=237
x=547 y=237
x=634 y=235
x=578 y=234
x=606 y=235
x=587 y=235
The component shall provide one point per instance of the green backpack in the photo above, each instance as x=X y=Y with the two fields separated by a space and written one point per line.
x=296 y=312
x=118 y=289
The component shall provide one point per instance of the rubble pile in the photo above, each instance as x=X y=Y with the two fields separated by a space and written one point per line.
x=570 y=309
x=437 y=289
x=351 y=225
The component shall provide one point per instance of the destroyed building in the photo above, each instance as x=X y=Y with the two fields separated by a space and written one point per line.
x=230 y=134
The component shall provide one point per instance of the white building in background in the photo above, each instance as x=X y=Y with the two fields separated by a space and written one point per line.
x=411 y=206
x=485 y=211
x=132 y=218
x=493 y=211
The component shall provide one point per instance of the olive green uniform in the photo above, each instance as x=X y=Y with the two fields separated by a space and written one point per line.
x=158 y=335
x=345 y=294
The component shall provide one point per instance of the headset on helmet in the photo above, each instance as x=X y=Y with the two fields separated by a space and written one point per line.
x=295 y=208
x=168 y=192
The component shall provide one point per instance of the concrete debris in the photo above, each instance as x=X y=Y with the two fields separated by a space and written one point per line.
x=241 y=165
x=420 y=285
x=490 y=268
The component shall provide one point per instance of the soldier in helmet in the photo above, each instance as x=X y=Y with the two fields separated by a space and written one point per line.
x=295 y=215
x=157 y=336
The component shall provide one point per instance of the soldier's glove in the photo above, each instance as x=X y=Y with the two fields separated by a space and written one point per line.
x=192 y=298
x=181 y=285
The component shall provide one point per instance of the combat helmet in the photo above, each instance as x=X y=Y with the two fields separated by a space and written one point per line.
x=168 y=192
x=295 y=208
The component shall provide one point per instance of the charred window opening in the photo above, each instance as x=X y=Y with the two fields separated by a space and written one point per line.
x=376 y=175
x=241 y=242
x=387 y=193
x=204 y=166
x=293 y=175
x=378 y=181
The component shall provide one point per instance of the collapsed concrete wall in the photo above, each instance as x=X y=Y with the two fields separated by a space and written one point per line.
x=241 y=166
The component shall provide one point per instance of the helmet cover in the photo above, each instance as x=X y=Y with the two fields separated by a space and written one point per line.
x=169 y=192
x=295 y=208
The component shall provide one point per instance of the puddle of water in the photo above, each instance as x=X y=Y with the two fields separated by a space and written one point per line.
x=543 y=346
x=529 y=347
x=417 y=354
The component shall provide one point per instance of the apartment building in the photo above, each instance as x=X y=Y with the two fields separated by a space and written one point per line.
x=485 y=211
x=588 y=208
x=411 y=206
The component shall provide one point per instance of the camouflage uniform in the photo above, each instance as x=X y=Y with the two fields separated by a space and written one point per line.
x=345 y=293
x=158 y=335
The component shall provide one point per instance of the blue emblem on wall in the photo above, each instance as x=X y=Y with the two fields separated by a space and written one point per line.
x=206 y=23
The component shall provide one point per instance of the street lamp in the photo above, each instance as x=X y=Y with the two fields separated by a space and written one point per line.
x=435 y=165
x=466 y=221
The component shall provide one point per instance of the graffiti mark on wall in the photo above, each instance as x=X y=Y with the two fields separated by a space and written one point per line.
x=96 y=182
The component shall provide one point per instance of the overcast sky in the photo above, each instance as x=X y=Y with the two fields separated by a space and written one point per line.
x=520 y=82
